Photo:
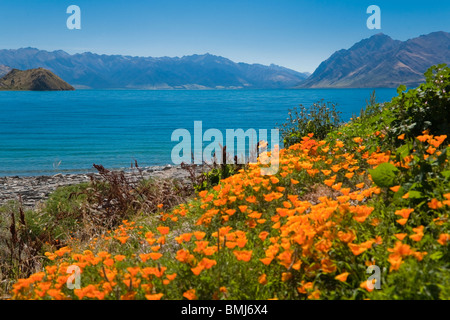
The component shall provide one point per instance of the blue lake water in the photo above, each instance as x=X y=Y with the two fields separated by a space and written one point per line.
x=51 y=132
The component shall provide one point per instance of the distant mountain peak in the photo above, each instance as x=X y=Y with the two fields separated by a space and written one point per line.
x=380 y=61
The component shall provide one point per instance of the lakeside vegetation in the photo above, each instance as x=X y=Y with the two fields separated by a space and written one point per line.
x=373 y=191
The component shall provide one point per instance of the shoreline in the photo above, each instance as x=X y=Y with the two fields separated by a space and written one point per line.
x=36 y=189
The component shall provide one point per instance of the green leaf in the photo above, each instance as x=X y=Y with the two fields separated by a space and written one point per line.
x=403 y=151
x=437 y=255
x=413 y=194
x=401 y=88
x=446 y=174
x=384 y=175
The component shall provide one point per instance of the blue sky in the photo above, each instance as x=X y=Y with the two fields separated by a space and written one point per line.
x=296 y=34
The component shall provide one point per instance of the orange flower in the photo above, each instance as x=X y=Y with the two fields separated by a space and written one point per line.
x=419 y=255
x=266 y=261
x=122 y=239
x=357 y=249
x=401 y=137
x=363 y=285
x=342 y=277
x=400 y=236
x=444 y=238
x=190 y=294
x=314 y=295
x=419 y=234
x=263 y=235
x=435 y=204
x=207 y=263
x=134 y=271
x=396 y=261
x=155 y=255
x=163 y=230
x=108 y=262
x=396 y=188
x=243 y=255
x=119 y=257
x=243 y=208
x=337 y=186
x=263 y=279
x=156 y=296
x=401 y=249
x=144 y=257
x=346 y=237
x=198 y=269
x=285 y=276
x=404 y=213
x=171 y=276
x=349 y=175
x=199 y=235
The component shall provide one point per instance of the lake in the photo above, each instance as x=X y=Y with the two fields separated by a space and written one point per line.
x=44 y=133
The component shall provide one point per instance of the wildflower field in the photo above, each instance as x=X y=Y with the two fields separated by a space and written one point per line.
x=374 y=191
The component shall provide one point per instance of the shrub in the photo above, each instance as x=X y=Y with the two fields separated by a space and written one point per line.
x=320 y=119
x=425 y=108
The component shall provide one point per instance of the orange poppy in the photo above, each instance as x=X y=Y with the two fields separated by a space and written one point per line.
x=190 y=294
x=342 y=277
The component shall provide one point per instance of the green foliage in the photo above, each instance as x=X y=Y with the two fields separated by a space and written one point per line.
x=212 y=178
x=61 y=213
x=320 y=118
x=424 y=108
x=384 y=175
x=372 y=107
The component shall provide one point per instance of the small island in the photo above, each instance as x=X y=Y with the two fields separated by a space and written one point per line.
x=39 y=79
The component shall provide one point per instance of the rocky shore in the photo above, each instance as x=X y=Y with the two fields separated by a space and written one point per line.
x=37 y=188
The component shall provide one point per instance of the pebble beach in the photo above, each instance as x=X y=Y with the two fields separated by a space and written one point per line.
x=36 y=189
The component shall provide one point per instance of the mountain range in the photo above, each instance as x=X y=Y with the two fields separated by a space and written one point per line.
x=89 y=70
x=380 y=61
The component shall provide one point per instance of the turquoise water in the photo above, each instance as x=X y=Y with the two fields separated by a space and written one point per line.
x=51 y=132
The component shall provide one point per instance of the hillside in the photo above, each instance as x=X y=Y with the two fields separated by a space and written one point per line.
x=34 y=79
x=89 y=70
x=380 y=61
x=373 y=194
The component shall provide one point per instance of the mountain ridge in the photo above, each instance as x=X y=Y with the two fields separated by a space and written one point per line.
x=380 y=61
x=207 y=71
